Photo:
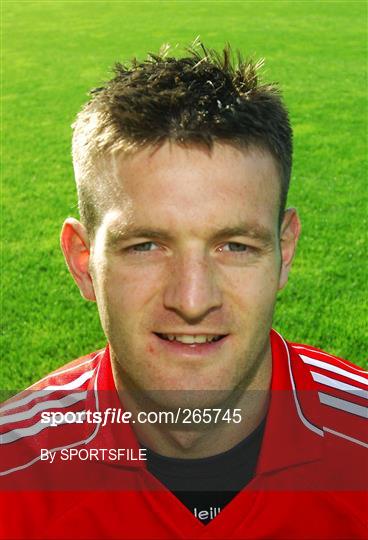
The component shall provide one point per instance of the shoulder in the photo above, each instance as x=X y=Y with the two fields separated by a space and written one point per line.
x=72 y=376
x=25 y=424
x=316 y=357
x=333 y=392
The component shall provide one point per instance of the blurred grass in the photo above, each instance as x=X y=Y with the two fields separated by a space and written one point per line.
x=55 y=51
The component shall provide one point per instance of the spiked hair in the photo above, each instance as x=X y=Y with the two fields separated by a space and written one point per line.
x=202 y=98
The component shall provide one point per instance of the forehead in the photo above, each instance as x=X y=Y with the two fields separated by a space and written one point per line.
x=191 y=187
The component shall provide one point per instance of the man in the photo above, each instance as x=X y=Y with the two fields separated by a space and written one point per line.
x=197 y=420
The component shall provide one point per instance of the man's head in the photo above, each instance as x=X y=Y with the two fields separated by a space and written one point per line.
x=182 y=245
x=202 y=99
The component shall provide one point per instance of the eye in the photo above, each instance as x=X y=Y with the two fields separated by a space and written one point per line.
x=144 y=246
x=236 y=247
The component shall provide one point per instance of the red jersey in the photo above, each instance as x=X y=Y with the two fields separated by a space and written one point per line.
x=74 y=475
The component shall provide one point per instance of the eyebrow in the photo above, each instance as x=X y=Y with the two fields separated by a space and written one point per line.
x=119 y=235
x=255 y=231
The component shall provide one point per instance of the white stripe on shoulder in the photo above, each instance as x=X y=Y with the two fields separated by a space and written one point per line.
x=76 y=366
x=305 y=421
x=324 y=428
x=343 y=405
x=67 y=400
x=21 y=433
x=72 y=385
x=334 y=369
x=311 y=351
x=334 y=383
x=73 y=445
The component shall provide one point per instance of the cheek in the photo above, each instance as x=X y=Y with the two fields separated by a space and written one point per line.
x=126 y=292
x=253 y=285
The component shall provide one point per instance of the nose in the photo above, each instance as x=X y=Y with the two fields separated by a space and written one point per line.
x=191 y=290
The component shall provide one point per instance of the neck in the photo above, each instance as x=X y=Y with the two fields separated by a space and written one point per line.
x=240 y=414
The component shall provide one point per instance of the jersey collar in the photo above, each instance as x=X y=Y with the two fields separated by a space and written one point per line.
x=289 y=438
x=102 y=396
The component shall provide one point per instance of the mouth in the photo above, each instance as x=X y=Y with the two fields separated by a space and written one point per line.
x=191 y=339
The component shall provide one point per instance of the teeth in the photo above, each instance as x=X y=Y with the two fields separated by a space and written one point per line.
x=189 y=340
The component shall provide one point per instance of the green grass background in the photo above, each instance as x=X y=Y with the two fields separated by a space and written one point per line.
x=55 y=51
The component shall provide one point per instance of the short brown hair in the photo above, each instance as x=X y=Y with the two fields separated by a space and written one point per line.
x=202 y=98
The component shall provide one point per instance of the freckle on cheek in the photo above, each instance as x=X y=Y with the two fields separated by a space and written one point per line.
x=150 y=348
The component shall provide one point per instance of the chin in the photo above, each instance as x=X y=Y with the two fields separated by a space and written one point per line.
x=188 y=399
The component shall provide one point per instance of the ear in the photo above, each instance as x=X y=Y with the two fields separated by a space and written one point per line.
x=289 y=235
x=76 y=248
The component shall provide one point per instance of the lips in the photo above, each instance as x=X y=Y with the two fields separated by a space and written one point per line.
x=191 y=339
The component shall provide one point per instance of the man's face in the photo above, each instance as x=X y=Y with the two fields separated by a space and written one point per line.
x=185 y=266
